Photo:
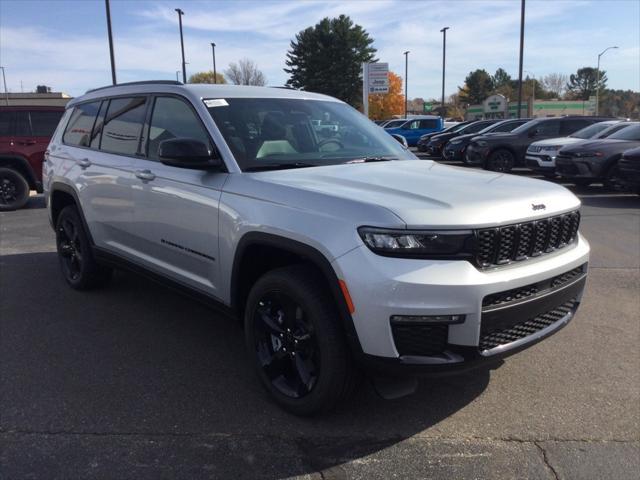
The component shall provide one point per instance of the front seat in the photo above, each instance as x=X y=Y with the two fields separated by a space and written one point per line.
x=274 y=136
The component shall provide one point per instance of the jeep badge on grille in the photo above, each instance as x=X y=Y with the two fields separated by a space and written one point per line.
x=538 y=206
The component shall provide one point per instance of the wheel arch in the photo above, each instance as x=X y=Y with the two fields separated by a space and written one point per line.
x=61 y=196
x=21 y=165
x=258 y=252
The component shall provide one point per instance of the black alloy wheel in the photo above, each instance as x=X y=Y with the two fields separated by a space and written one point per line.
x=14 y=190
x=286 y=346
x=501 y=160
x=70 y=249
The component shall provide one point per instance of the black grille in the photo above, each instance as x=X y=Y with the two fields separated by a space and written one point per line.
x=420 y=339
x=502 y=245
x=494 y=338
x=521 y=293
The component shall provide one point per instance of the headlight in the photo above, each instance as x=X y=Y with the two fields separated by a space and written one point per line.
x=588 y=154
x=418 y=243
x=455 y=141
x=550 y=148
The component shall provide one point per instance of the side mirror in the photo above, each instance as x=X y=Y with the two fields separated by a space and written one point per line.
x=401 y=140
x=533 y=133
x=187 y=153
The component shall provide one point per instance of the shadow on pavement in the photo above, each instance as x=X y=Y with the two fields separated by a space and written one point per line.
x=138 y=361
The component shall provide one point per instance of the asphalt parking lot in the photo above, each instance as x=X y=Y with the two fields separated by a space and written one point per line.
x=137 y=381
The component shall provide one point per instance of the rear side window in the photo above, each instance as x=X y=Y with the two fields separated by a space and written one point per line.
x=123 y=124
x=475 y=127
x=78 y=130
x=23 y=124
x=44 y=123
x=548 y=128
x=506 y=127
x=570 y=126
x=429 y=123
x=173 y=118
x=5 y=123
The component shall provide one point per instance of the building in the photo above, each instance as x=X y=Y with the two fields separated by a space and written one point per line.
x=51 y=99
x=497 y=106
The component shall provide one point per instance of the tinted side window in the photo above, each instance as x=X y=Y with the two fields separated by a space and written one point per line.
x=506 y=127
x=23 y=124
x=44 y=123
x=96 y=133
x=5 y=123
x=571 y=126
x=548 y=128
x=173 y=118
x=123 y=124
x=78 y=130
x=475 y=127
x=428 y=124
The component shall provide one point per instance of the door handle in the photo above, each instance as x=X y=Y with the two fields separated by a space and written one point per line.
x=145 y=175
x=83 y=163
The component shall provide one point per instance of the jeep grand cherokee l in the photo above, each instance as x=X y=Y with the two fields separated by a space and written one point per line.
x=24 y=135
x=338 y=254
x=500 y=153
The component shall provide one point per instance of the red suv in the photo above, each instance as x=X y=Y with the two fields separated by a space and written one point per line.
x=24 y=135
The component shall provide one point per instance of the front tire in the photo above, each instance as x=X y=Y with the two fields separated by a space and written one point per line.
x=79 y=267
x=14 y=190
x=502 y=160
x=295 y=341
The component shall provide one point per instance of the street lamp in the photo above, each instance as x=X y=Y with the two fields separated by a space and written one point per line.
x=406 y=72
x=213 y=50
x=6 y=92
x=598 y=80
x=444 y=56
x=533 y=90
x=111 y=55
x=184 y=66
x=521 y=55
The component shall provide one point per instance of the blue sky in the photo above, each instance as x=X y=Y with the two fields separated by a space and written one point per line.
x=64 y=43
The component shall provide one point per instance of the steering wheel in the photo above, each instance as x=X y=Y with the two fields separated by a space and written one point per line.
x=328 y=141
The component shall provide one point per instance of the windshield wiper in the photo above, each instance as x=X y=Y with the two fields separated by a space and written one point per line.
x=372 y=159
x=277 y=166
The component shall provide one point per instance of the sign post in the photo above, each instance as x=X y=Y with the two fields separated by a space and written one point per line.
x=375 y=79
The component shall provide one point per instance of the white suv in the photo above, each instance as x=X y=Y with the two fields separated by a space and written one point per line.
x=339 y=254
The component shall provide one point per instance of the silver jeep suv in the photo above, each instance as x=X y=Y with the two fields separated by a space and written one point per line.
x=341 y=253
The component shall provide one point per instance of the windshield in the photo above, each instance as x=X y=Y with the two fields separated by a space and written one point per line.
x=289 y=133
x=607 y=132
x=395 y=123
x=590 y=131
x=525 y=127
x=632 y=132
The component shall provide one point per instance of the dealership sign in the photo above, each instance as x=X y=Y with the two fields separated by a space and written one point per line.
x=377 y=77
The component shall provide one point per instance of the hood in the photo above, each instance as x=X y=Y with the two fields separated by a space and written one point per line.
x=607 y=144
x=426 y=194
x=556 y=141
x=497 y=136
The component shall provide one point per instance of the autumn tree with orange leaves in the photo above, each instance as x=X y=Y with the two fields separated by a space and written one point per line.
x=386 y=105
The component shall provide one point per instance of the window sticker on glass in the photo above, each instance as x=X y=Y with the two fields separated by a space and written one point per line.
x=216 y=102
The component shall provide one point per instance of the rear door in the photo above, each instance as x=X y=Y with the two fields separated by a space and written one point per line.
x=6 y=131
x=572 y=125
x=176 y=209
x=43 y=124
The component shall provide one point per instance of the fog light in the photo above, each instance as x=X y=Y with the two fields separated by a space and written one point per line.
x=427 y=319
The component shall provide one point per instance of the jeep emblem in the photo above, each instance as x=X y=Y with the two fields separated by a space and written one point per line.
x=539 y=206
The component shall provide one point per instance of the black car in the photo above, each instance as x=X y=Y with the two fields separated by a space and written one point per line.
x=455 y=148
x=424 y=139
x=501 y=152
x=597 y=161
x=436 y=143
x=629 y=170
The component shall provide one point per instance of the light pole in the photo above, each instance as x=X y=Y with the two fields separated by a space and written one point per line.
x=406 y=84
x=6 y=92
x=533 y=90
x=598 y=80
x=110 y=34
x=521 y=53
x=213 y=50
x=184 y=66
x=444 y=56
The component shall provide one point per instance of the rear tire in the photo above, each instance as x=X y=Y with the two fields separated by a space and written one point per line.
x=296 y=343
x=79 y=267
x=502 y=160
x=14 y=190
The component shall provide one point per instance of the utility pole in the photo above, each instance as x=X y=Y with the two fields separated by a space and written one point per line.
x=521 y=53
x=213 y=50
x=184 y=65
x=6 y=92
x=598 y=80
x=444 y=56
x=109 y=32
x=406 y=80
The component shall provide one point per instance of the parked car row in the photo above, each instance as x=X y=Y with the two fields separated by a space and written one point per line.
x=583 y=150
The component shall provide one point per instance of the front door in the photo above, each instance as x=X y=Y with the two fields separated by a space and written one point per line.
x=176 y=209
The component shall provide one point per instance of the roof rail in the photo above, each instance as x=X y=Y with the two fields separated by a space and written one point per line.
x=144 y=82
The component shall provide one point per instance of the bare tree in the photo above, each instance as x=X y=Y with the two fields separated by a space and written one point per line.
x=555 y=83
x=245 y=72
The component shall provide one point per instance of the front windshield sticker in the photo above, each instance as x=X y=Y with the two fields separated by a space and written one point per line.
x=216 y=102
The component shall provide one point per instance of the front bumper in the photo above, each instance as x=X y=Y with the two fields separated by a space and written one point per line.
x=476 y=155
x=454 y=151
x=409 y=287
x=629 y=173
x=583 y=167
x=541 y=162
x=433 y=150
